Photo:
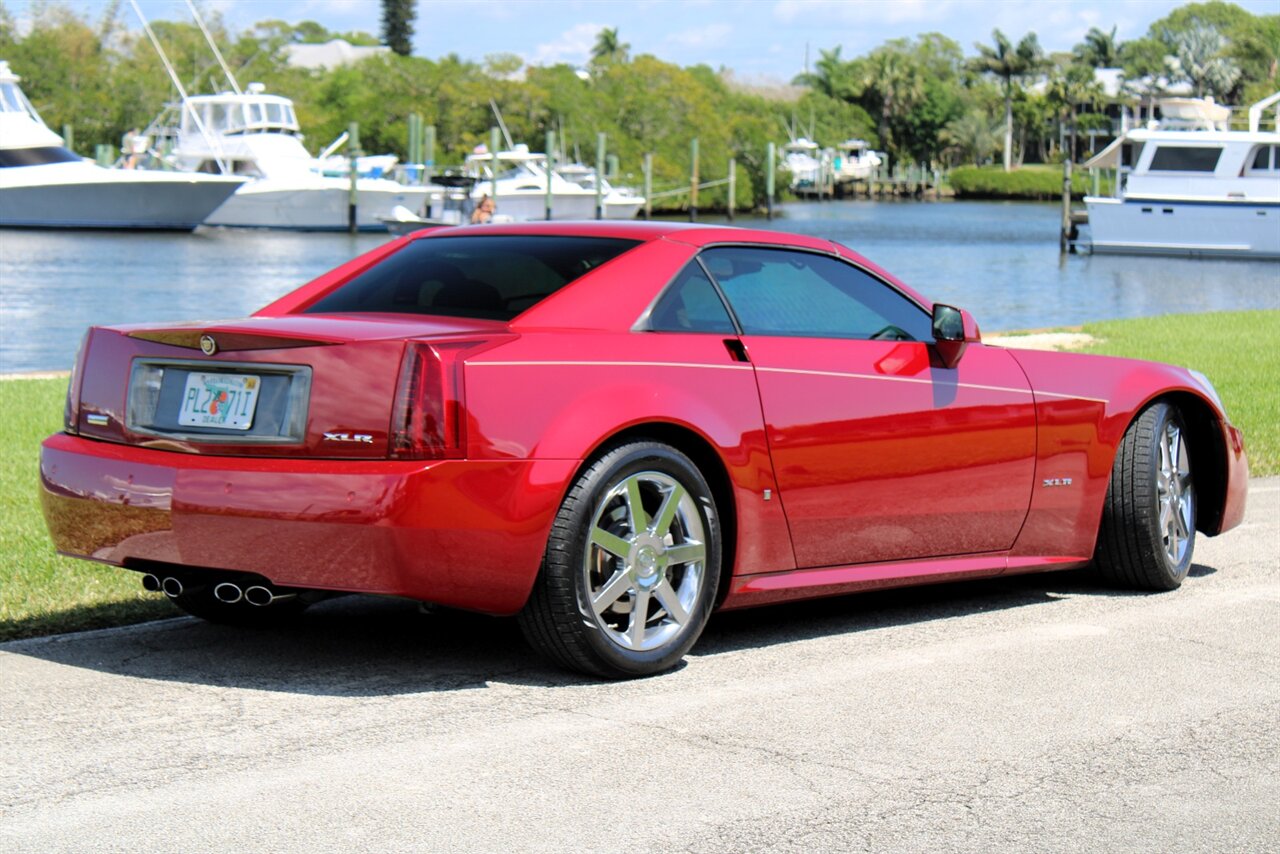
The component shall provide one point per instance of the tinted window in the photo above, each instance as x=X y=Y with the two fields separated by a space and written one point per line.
x=691 y=304
x=779 y=292
x=36 y=156
x=1169 y=158
x=494 y=277
x=1262 y=160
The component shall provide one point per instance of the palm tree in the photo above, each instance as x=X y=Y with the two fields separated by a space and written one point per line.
x=1068 y=89
x=971 y=136
x=831 y=76
x=891 y=80
x=1099 y=49
x=1198 y=59
x=608 y=48
x=1009 y=64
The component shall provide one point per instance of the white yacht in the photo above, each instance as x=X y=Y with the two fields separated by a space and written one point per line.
x=43 y=185
x=1190 y=186
x=855 y=161
x=256 y=135
x=522 y=186
x=802 y=158
x=619 y=202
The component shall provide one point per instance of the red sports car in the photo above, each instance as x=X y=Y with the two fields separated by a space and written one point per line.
x=611 y=430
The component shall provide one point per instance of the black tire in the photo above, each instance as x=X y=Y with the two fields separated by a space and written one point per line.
x=200 y=602
x=1147 y=536
x=674 y=573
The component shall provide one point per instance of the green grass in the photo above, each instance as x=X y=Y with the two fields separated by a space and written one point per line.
x=40 y=592
x=1238 y=350
x=1038 y=181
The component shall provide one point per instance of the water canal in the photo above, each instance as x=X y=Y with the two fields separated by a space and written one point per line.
x=1000 y=260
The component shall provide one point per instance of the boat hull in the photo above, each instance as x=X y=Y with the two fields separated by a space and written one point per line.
x=167 y=203
x=1136 y=226
x=266 y=204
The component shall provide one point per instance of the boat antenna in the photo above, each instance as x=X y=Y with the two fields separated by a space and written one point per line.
x=501 y=123
x=182 y=93
x=231 y=78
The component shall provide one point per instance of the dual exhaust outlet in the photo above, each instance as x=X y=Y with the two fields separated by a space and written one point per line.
x=225 y=592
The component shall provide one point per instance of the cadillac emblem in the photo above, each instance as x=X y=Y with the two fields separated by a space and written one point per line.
x=207 y=345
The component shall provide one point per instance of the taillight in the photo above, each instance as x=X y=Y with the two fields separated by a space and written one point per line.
x=71 y=409
x=427 y=418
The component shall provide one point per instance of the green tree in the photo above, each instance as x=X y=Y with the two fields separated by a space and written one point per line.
x=1099 y=49
x=397 y=25
x=1198 y=58
x=1009 y=65
x=609 y=49
x=1069 y=89
x=970 y=136
x=892 y=85
x=832 y=76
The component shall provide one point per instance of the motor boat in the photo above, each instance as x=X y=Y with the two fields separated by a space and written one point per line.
x=256 y=135
x=521 y=185
x=44 y=185
x=1188 y=185
x=619 y=202
x=802 y=158
x=855 y=161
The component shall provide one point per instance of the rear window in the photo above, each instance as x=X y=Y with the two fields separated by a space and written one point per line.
x=490 y=277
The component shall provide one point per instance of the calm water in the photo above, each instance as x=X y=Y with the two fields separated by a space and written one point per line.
x=999 y=260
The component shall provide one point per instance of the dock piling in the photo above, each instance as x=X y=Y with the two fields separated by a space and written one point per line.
x=648 y=185
x=429 y=154
x=493 y=166
x=1064 y=239
x=551 y=167
x=353 y=153
x=770 y=178
x=693 y=180
x=733 y=185
x=600 y=151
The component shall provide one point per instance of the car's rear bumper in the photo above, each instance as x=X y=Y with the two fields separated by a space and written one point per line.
x=468 y=534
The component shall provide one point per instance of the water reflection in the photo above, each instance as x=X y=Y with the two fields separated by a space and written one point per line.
x=1000 y=260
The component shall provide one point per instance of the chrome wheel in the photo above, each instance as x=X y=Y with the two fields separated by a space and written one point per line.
x=1147 y=533
x=1175 y=494
x=645 y=565
x=629 y=577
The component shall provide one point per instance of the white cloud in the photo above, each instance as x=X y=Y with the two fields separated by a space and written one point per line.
x=712 y=35
x=573 y=46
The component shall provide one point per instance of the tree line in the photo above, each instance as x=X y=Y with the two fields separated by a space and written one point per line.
x=921 y=99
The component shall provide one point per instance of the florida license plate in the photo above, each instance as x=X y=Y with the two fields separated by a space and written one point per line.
x=219 y=400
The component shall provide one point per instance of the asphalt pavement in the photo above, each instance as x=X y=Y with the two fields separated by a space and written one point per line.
x=1036 y=713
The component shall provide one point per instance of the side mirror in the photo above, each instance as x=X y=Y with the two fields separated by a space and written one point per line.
x=953 y=331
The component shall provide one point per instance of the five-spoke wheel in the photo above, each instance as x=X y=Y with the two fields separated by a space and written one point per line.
x=631 y=568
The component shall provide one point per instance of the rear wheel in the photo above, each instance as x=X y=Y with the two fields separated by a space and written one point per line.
x=631 y=568
x=1148 y=530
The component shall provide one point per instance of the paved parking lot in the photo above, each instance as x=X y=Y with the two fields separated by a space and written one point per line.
x=1032 y=713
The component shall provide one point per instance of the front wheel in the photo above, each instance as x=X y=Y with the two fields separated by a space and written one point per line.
x=1148 y=530
x=631 y=568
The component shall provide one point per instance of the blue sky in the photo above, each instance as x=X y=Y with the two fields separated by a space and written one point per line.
x=758 y=39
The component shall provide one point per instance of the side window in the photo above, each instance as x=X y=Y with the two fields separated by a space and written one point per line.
x=691 y=304
x=1174 y=158
x=781 y=292
x=1264 y=160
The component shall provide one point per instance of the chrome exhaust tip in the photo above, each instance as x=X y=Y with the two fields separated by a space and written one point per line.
x=151 y=583
x=228 y=593
x=259 y=595
x=263 y=596
x=172 y=587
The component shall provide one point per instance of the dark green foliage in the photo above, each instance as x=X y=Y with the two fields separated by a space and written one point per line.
x=397 y=25
x=1029 y=182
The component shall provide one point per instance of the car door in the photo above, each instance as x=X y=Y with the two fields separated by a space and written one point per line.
x=880 y=453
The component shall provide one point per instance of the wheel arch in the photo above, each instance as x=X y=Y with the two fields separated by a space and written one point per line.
x=710 y=463
x=1208 y=448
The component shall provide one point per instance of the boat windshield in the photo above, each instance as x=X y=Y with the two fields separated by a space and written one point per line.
x=13 y=101
x=245 y=115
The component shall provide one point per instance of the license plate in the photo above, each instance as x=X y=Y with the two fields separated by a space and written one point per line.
x=219 y=400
